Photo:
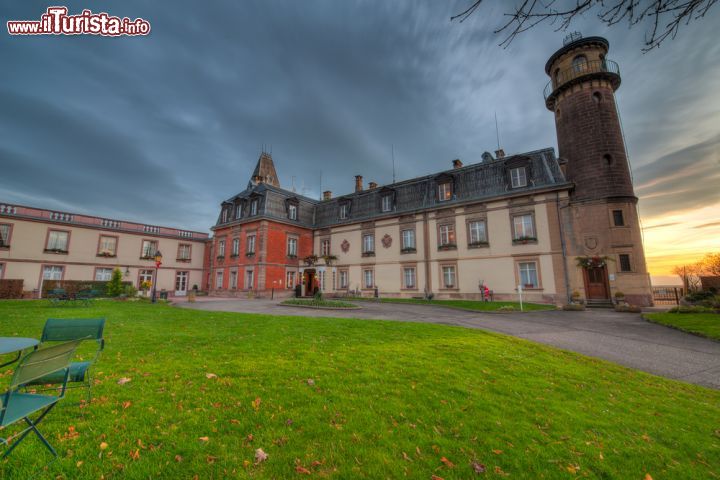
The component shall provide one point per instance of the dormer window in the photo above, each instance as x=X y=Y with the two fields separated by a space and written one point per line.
x=254 y=207
x=518 y=177
x=238 y=211
x=224 y=215
x=343 y=211
x=445 y=191
x=387 y=203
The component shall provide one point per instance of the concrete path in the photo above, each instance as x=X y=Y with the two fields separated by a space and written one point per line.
x=622 y=338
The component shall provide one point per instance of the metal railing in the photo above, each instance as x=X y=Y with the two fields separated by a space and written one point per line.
x=580 y=70
x=667 y=295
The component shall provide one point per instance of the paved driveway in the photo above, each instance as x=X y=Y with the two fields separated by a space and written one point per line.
x=619 y=337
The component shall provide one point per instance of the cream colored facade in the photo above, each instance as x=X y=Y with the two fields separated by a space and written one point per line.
x=33 y=234
x=496 y=265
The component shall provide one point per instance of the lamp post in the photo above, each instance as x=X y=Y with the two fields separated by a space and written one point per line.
x=158 y=262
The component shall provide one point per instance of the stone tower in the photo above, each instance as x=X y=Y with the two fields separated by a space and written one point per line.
x=265 y=171
x=600 y=223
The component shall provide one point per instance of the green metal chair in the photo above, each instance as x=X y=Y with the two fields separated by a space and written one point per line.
x=63 y=330
x=17 y=405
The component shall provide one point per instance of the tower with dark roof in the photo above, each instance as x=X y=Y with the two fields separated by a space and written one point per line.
x=265 y=171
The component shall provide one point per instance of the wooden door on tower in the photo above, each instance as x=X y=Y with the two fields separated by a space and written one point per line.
x=596 y=285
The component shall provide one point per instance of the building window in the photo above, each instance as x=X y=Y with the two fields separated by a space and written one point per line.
x=448 y=274
x=407 y=240
x=219 y=280
x=103 y=274
x=238 y=211
x=368 y=244
x=409 y=277
x=221 y=249
x=579 y=64
x=292 y=212
x=107 y=247
x=523 y=227
x=2 y=269
x=149 y=247
x=368 y=280
x=445 y=192
x=344 y=279
x=181 y=282
x=236 y=247
x=528 y=274
x=292 y=246
x=184 y=252
x=5 y=230
x=250 y=250
x=290 y=280
x=325 y=247
x=233 y=279
x=387 y=203
x=224 y=215
x=447 y=235
x=146 y=278
x=57 y=241
x=343 y=211
x=518 y=177
x=52 y=272
x=618 y=218
x=253 y=208
x=477 y=233
x=625 y=265
x=249 y=279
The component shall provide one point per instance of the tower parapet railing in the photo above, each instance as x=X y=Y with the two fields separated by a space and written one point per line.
x=577 y=72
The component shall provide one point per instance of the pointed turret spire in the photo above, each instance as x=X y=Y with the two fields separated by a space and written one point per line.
x=265 y=171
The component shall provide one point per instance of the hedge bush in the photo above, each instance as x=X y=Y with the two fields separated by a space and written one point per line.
x=72 y=287
x=10 y=288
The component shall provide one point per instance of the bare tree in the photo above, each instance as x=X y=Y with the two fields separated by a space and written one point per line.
x=663 y=17
x=690 y=275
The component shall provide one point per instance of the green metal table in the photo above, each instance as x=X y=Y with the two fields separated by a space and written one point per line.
x=16 y=344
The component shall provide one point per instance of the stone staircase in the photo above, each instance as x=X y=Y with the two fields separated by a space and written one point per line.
x=605 y=303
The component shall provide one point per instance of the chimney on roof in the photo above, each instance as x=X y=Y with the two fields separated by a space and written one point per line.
x=499 y=153
x=327 y=195
x=372 y=185
x=358 y=183
x=457 y=163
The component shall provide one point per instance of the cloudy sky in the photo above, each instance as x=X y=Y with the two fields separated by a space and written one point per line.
x=161 y=128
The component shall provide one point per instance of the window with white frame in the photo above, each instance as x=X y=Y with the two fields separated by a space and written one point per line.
x=292 y=249
x=224 y=215
x=292 y=212
x=523 y=227
x=236 y=247
x=343 y=211
x=368 y=278
x=445 y=192
x=249 y=279
x=221 y=248
x=477 y=232
x=344 y=280
x=368 y=243
x=233 y=279
x=52 y=272
x=325 y=247
x=57 y=240
x=146 y=277
x=219 y=279
x=528 y=274
x=408 y=239
x=387 y=203
x=409 y=277
x=290 y=277
x=518 y=177
x=447 y=235
x=184 y=251
x=254 y=207
x=103 y=274
x=448 y=272
x=107 y=246
x=149 y=247
x=4 y=235
x=250 y=250
x=238 y=211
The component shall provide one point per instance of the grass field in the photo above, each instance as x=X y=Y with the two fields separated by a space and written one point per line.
x=346 y=398
x=318 y=303
x=704 y=324
x=469 y=304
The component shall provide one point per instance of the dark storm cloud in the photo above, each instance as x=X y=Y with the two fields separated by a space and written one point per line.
x=162 y=128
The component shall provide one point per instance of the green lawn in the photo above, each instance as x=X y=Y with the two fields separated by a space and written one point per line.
x=386 y=400
x=468 y=304
x=705 y=324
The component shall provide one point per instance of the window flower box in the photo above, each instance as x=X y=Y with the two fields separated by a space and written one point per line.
x=408 y=250
x=447 y=246
x=478 y=245
x=55 y=250
x=292 y=257
x=524 y=240
x=183 y=260
x=250 y=254
x=234 y=255
x=368 y=254
x=106 y=255
x=221 y=257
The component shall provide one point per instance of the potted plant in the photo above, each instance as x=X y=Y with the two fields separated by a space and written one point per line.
x=619 y=297
x=575 y=296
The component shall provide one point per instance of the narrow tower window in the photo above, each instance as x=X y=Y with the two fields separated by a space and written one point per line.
x=608 y=159
x=579 y=64
x=597 y=97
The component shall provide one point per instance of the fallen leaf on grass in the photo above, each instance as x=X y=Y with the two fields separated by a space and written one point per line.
x=124 y=380
x=260 y=456
x=573 y=468
x=435 y=477
x=497 y=452
x=302 y=470
x=447 y=462
x=79 y=463
x=135 y=455
x=648 y=477
x=103 y=446
x=178 y=458
x=310 y=382
x=256 y=404
x=478 y=467
x=210 y=375
x=405 y=457
x=204 y=439
x=126 y=405
x=210 y=459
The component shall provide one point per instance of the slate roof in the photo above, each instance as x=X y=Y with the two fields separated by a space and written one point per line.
x=479 y=182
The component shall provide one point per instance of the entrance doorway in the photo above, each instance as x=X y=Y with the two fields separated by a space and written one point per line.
x=181 y=284
x=596 y=283
x=309 y=282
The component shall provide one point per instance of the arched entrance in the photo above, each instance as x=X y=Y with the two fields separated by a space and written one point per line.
x=309 y=282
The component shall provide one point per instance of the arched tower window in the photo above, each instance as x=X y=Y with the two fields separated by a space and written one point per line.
x=579 y=64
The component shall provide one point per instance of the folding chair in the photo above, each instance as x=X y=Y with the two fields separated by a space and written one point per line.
x=63 y=330
x=17 y=405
